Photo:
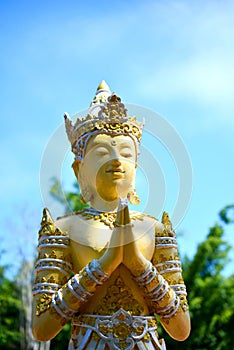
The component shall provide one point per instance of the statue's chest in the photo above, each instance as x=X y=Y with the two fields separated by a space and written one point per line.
x=90 y=238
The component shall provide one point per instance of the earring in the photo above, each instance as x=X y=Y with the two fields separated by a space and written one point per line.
x=86 y=196
x=82 y=199
x=133 y=197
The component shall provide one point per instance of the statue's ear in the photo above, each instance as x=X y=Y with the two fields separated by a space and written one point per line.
x=75 y=166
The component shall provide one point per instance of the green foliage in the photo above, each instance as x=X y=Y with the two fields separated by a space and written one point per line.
x=210 y=294
x=70 y=200
x=61 y=341
x=10 y=306
x=224 y=214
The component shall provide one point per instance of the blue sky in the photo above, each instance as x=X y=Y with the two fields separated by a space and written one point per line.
x=173 y=57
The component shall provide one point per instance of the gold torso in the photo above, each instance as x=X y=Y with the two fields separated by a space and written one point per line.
x=69 y=245
x=89 y=238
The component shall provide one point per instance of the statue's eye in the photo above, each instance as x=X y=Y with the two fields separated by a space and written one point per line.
x=126 y=153
x=101 y=151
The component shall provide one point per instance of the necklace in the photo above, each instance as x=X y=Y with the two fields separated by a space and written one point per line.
x=107 y=218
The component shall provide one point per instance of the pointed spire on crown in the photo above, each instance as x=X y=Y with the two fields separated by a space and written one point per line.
x=101 y=96
x=103 y=86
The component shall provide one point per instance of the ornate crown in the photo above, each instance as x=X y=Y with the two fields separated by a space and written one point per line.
x=108 y=115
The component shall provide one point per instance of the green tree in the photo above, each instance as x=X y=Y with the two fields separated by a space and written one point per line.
x=10 y=308
x=70 y=200
x=61 y=341
x=210 y=293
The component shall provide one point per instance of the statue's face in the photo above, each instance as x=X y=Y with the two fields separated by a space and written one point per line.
x=109 y=165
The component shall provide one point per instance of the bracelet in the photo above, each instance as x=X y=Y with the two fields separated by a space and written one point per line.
x=169 y=266
x=45 y=287
x=180 y=289
x=61 y=306
x=165 y=242
x=53 y=242
x=171 y=309
x=95 y=273
x=53 y=264
x=76 y=288
x=147 y=276
x=160 y=291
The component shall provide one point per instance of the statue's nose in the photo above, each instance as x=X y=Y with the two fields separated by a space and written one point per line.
x=115 y=162
x=114 y=165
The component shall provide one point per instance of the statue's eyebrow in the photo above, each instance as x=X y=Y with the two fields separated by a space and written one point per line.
x=104 y=143
x=126 y=144
x=100 y=143
x=97 y=144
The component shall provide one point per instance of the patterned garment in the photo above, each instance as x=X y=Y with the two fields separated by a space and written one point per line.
x=117 y=332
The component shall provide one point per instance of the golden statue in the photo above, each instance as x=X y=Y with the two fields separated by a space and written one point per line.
x=108 y=269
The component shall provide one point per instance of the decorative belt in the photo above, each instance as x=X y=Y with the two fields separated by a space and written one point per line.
x=119 y=328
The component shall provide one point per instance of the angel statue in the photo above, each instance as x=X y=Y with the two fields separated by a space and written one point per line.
x=108 y=269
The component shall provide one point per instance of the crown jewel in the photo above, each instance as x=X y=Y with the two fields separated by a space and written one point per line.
x=108 y=115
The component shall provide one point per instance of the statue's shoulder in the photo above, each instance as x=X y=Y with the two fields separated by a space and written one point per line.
x=67 y=221
x=162 y=228
x=136 y=215
x=141 y=216
x=70 y=215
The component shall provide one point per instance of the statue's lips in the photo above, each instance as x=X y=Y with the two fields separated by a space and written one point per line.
x=116 y=172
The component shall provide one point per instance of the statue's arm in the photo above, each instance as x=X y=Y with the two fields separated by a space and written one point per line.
x=173 y=308
x=163 y=283
x=56 y=295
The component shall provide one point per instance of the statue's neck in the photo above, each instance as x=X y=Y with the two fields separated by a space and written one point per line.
x=102 y=205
